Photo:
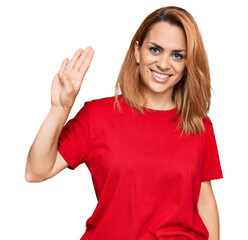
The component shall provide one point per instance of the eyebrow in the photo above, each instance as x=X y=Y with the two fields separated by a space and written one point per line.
x=176 y=50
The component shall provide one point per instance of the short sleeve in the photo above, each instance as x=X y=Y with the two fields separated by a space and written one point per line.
x=73 y=142
x=211 y=164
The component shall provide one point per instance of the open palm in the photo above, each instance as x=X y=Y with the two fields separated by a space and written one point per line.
x=67 y=82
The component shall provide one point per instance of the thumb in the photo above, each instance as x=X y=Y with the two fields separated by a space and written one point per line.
x=66 y=81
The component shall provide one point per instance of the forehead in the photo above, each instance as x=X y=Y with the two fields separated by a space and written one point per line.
x=167 y=36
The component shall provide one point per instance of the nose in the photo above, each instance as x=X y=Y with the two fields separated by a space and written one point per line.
x=163 y=62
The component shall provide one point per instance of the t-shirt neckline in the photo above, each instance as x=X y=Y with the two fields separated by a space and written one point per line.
x=153 y=112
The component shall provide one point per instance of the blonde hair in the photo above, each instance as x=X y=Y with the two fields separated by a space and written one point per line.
x=193 y=92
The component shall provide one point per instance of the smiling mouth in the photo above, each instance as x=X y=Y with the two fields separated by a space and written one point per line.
x=160 y=77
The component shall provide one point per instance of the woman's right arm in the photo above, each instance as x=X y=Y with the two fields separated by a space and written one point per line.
x=43 y=160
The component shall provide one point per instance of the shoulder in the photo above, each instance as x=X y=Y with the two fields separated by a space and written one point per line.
x=207 y=122
x=100 y=102
x=208 y=125
x=95 y=109
x=100 y=106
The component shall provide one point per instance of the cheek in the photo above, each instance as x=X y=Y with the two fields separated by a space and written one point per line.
x=180 y=68
x=146 y=58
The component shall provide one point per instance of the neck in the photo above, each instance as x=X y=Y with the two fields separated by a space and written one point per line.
x=160 y=101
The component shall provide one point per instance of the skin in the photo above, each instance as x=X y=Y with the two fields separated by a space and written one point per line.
x=208 y=210
x=160 y=53
x=44 y=161
x=165 y=60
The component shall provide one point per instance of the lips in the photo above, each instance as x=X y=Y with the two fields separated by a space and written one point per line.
x=160 y=76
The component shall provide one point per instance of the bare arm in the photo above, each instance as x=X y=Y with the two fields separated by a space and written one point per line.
x=43 y=160
x=43 y=152
x=208 y=210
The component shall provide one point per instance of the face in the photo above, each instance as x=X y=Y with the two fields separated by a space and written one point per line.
x=162 y=59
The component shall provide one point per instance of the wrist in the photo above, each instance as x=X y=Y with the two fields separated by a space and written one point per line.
x=60 y=114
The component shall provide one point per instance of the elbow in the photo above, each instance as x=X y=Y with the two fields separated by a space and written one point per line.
x=32 y=177
x=35 y=175
x=29 y=178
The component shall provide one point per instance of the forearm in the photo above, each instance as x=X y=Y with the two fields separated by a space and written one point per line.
x=42 y=154
x=210 y=216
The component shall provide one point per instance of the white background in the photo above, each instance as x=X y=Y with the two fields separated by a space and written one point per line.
x=35 y=38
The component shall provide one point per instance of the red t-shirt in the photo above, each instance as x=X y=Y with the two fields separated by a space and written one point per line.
x=146 y=177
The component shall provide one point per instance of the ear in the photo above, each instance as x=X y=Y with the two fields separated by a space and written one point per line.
x=137 y=52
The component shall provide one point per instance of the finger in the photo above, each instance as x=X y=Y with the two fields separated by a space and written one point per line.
x=86 y=63
x=63 y=65
x=74 y=58
x=81 y=58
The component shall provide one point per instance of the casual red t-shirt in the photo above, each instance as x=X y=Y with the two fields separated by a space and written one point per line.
x=146 y=177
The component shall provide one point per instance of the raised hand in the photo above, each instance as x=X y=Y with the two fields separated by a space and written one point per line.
x=67 y=82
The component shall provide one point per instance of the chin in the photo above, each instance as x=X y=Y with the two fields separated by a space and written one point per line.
x=158 y=89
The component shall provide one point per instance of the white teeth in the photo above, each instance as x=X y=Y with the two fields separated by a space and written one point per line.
x=160 y=75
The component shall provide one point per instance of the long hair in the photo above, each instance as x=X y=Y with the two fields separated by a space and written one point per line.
x=193 y=92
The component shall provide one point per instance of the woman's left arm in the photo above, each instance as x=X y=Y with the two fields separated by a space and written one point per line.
x=207 y=208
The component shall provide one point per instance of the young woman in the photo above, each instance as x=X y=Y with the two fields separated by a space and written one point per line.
x=153 y=157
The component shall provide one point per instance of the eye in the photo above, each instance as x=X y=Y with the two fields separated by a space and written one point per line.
x=154 y=50
x=177 y=56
